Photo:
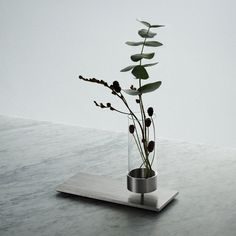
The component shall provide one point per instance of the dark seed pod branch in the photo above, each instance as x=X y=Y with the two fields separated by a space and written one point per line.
x=108 y=105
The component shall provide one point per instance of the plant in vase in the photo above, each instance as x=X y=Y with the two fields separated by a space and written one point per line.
x=141 y=177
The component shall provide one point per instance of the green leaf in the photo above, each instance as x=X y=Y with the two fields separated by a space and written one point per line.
x=138 y=57
x=151 y=64
x=134 y=43
x=156 y=26
x=131 y=92
x=147 y=43
x=127 y=68
x=153 y=44
x=140 y=72
x=145 y=23
x=149 y=87
x=144 y=33
x=149 y=25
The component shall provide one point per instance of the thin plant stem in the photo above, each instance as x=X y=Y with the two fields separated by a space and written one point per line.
x=139 y=144
x=154 y=134
x=131 y=112
x=138 y=148
x=125 y=113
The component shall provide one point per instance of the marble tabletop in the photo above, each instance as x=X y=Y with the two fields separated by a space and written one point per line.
x=36 y=156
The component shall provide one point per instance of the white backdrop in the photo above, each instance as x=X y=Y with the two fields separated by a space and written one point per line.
x=46 y=44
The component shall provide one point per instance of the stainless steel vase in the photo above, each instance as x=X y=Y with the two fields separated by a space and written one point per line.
x=142 y=174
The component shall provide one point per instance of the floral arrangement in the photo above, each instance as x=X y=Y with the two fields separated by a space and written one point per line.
x=141 y=124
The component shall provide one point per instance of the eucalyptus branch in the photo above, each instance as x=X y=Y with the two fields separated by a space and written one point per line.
x=141 y=103
x=140 y=129
x=154 y=134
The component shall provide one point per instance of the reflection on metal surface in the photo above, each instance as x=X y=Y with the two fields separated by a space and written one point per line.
x=106 y=189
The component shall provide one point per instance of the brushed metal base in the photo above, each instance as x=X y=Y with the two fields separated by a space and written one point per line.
x=137 y=183
x=106 y=189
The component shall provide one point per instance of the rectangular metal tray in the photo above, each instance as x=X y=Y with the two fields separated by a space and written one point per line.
x=105 y=188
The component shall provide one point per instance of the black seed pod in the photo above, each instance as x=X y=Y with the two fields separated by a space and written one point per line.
x=101 y=105
x=150 y=111
x=96 y=103
x=137 y=100
x=108 y=104
x=118 y=89
x=151 y=146
x=116 y=86
x=148 y=122
x=131 y=129
x=112 y=109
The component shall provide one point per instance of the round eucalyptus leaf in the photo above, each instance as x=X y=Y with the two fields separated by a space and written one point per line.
x=128 y=68
x=156 y=26
x=147 y=88
x=138 y=57
x=145 y=23
x=131 y=92
x=140 y=72
x=134 y=43
x=150 y=64
x=144 y=33
x=153 y=44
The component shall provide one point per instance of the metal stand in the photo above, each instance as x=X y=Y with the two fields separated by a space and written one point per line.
x=106 y=189
x=142 y=199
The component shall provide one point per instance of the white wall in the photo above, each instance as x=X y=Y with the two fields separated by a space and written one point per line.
x=46 y=44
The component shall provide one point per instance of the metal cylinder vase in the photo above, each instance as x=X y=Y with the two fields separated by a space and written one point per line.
x=142 y=174
x=138 y=183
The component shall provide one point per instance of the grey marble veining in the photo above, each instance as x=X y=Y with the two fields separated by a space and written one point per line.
x=37 y=156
